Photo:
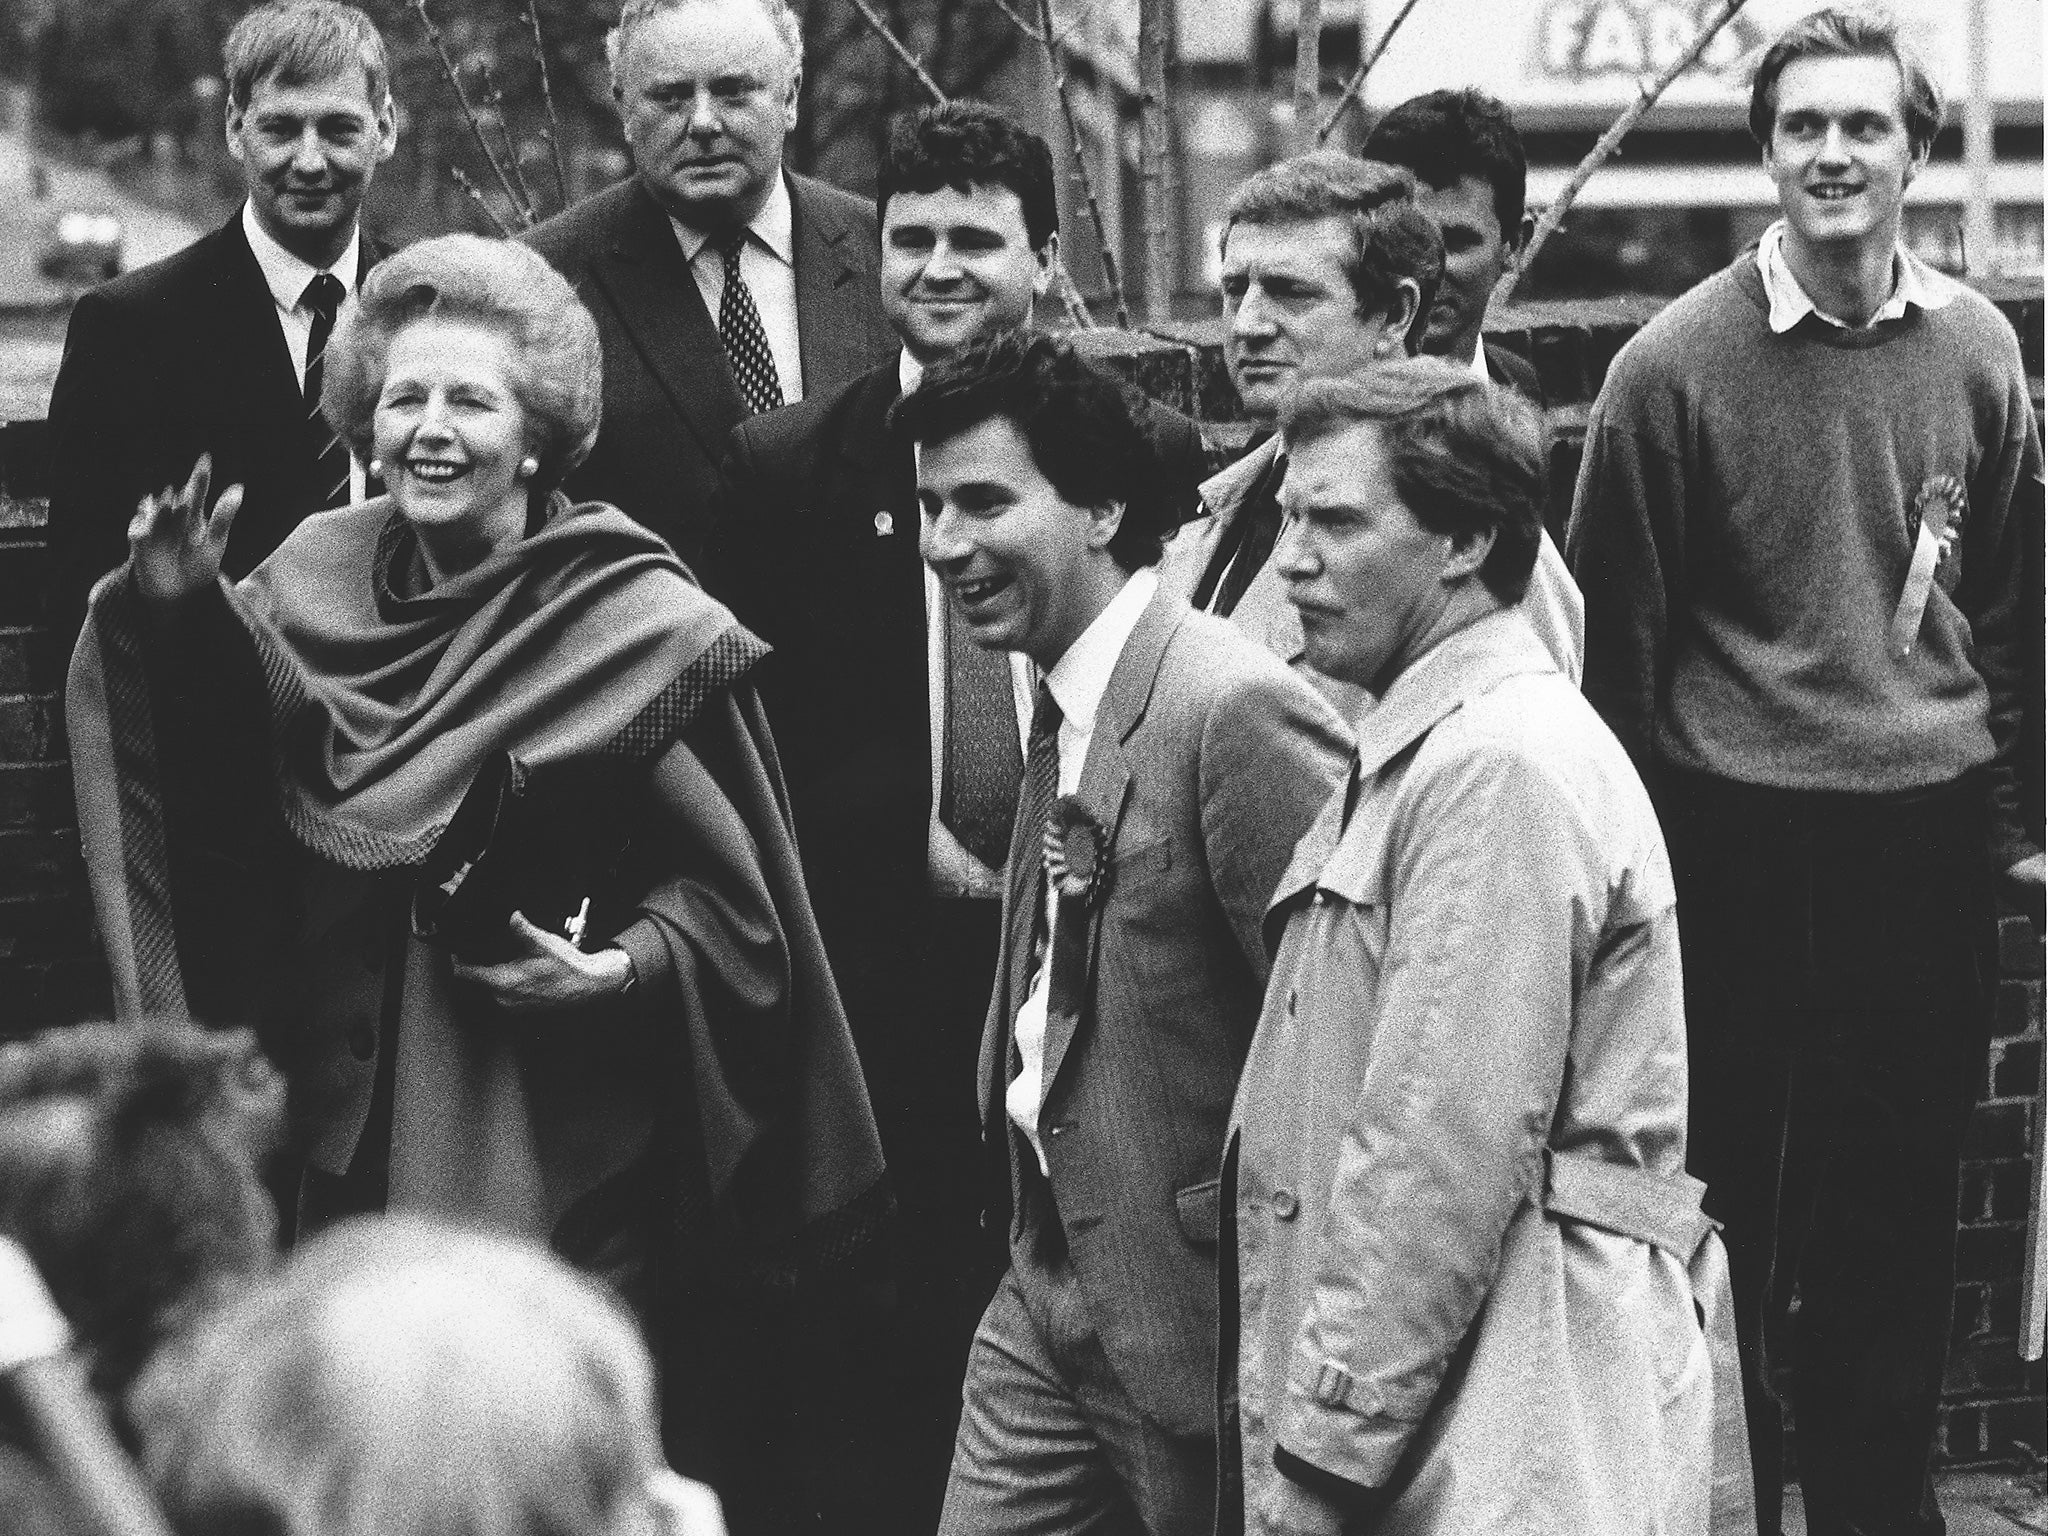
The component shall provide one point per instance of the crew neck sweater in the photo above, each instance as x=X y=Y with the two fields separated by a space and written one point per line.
x=1745 y=516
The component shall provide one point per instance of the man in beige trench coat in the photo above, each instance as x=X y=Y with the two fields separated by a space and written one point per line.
x=1465 y=1270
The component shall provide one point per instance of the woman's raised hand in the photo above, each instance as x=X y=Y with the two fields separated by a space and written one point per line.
x=174 y=543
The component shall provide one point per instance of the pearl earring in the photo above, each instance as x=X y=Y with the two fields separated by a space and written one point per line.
x=529 y=467
x=375 y=468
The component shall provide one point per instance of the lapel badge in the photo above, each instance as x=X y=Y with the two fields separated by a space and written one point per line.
x=1076 y=853
x=884 y=525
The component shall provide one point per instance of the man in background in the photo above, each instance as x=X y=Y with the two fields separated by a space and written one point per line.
x=723 y=285
x=219 y=348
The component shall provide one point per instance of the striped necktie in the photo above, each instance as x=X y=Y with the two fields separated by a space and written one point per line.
x=981 y=762
x=741 y=332
x=323 y=296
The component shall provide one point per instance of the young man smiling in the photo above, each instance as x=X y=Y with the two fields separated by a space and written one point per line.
x=1172 y=764
x=218 y=349
x=901 y=741
x=1798 y=532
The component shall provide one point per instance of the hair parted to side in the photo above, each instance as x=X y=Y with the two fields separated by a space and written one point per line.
x=401 y=1378
x=1463 y=456
x=1441 y=137
x=1080 y=423
x=966 y=144
x=131 y=1163
x=1849 y=31
x=500 y=286
x=1391 y=238
x=788 y=26
x=301 y=42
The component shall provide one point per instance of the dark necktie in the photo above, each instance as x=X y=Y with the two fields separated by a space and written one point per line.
x=982 y=764
x=1243 y=557
x=323 y=296
x=1027 y=875
x=740 y=330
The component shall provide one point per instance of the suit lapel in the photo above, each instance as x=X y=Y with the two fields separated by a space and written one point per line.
x=821 y=242
x=646 y=281
x=1105 y=790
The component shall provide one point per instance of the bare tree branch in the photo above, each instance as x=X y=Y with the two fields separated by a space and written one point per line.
x=1646 y=98
x=476 y=195
x=1055 y=59
x=1356 y=83
x=494 y=99
x=469 y=111
x=1308 y=69
x=547 y=94
x=881 y=28
x=1152 y=132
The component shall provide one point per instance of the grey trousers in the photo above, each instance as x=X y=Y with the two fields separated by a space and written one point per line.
x=1050 y=1443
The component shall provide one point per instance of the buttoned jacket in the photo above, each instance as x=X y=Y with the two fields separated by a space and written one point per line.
x=1208 y=760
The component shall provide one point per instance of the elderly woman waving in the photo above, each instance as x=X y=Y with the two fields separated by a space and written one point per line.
x=265 y=770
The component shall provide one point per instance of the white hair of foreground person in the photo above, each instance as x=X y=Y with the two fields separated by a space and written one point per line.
x=401 y=1378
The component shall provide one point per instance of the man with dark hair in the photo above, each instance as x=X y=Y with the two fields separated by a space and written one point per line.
x=1171 y=766
x=1465 y=1251
x=1329 y=267
x=1800 y=531
x=901 y=741
x=723 y=284
x=218 y=349
x=1472 y=182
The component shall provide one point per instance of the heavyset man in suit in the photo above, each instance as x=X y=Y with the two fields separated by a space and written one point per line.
x=901 y=740
x=1171 y=767
x=218 y=349
x=707 y=92
x=1329 y=265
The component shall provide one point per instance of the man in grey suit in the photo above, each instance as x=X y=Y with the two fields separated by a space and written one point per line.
x=1172 y=764
x=723 y=286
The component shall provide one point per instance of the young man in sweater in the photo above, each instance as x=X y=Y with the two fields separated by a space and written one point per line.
x=1798 y=529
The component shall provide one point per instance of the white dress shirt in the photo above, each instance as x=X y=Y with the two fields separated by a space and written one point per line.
x=768 y=263
x=286 y=276
x=952 y=870
x=1077 y=681
x=1913 y=283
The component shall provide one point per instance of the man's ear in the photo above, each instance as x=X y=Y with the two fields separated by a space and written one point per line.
x=1519 y=237
x=796 y=86
x=1467 y=554
x=387 y=129
x=231 y=127
x=1048 y=256
x=1103 y=523
x=1917 y=163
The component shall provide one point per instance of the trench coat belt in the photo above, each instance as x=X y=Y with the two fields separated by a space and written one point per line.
x=1664 y=1211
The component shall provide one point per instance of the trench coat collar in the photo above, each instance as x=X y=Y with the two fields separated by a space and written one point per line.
x=1468 y=664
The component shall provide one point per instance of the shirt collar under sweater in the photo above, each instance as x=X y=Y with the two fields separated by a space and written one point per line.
x=1913 y=283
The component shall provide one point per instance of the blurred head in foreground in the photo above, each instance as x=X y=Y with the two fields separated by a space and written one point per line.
x=397 y=1378
x=131 y=1161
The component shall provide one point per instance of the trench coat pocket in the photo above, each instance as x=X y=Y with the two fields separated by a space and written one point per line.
x=1197 y=1208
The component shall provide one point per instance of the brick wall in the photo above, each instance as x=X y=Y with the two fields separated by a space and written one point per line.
x=50 y=972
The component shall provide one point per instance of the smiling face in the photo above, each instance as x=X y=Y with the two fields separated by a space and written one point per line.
x=1839 y=150
x=1372 y=585
x=1027 y=569
x=307 y=154
x=452 y=436
x=707 y=92
x=1476 y=256
x=958 y=267
x=1291 y=309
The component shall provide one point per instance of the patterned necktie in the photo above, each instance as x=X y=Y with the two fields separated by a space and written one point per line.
x=323 y=296
x=1027 y=875
x=739 y=329
x=982 y=764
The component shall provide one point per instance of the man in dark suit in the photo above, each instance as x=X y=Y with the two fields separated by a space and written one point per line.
x=218 y=349
x=902 y=741
x=1172 y=766
x=707 y=91
x=1472 y=180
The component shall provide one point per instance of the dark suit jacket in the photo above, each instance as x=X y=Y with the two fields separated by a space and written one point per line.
x=1515 y=371
x=815 y=549
x=1209 y=760
x=669 y=396
x=180 y=357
